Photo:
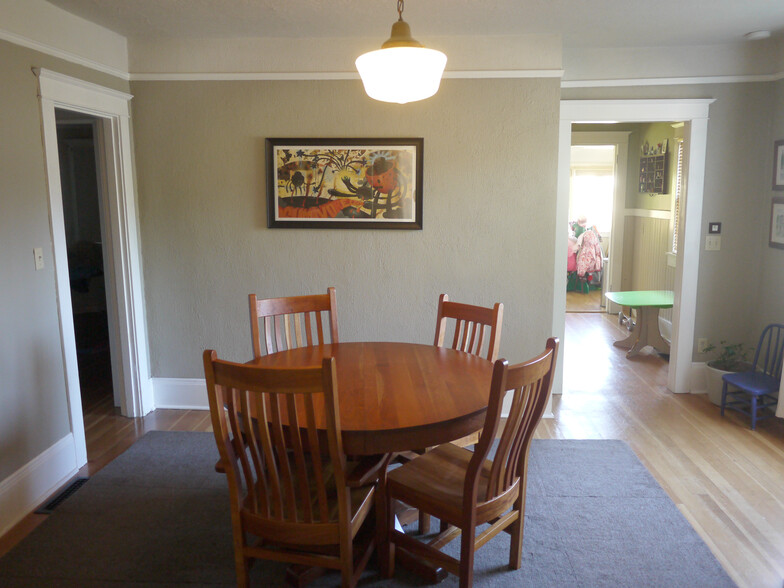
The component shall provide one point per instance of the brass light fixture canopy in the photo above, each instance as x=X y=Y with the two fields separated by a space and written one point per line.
x=401 y=36
x=403 y=70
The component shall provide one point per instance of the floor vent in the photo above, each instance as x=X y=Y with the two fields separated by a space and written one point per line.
x=60 y=498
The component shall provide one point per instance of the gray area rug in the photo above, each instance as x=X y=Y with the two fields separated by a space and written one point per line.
x=158 y=516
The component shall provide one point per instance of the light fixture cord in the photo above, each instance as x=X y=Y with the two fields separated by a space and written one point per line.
x=400 y=10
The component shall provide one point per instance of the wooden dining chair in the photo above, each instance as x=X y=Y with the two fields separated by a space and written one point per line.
x=289 y=494
x=277 y=324
x=474 y=329
x=471 y=323
x=466 y=489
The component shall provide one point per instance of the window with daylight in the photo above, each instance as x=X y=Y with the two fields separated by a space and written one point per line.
x=593 y=185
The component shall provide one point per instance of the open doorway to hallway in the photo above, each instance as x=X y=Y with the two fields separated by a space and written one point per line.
x=633 y=206
x=85 y=226
x=694 y=113
x=109 y=112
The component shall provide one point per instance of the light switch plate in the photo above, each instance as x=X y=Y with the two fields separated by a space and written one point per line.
x=38 y=252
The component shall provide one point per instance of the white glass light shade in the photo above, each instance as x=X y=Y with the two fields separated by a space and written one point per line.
x=401 y=74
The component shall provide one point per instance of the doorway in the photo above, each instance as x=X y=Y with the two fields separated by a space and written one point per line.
x=592 y=185
x=108 y=111
x=695 y=115
x=84 y=237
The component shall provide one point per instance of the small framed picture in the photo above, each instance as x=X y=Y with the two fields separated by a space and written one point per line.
x=778 y=165
x=777 y=222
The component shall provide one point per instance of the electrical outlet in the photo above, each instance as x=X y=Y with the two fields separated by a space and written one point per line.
x=713 y=243
x=38 y=252
x=701 y=345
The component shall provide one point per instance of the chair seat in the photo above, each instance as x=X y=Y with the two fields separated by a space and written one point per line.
x=303 y=533
x=465 y=489
x=755 y=383
x=436 y=479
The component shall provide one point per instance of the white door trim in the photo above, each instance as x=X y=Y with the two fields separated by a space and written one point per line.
x=694 y=111
x=112 y=107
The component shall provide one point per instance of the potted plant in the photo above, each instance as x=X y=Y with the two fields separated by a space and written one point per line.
x=732 y=358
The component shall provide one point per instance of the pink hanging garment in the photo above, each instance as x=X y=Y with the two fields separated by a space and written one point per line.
x=589 y=258
x=571 y=256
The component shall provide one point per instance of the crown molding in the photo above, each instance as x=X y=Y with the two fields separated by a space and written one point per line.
x=312 y=76
x=62 y=54
x=336 y=75
x=694 y=80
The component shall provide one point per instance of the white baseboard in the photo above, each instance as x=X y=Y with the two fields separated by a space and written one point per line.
x=665 y=328
x=699 y=384
x=34 y=482
x=191 y=394
x=183 y=393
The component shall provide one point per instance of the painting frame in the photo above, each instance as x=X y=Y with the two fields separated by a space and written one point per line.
x=778 y=165
x=777 y=222
x=344 y=183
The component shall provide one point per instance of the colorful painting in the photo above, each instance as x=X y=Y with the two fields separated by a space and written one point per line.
x=344 y=183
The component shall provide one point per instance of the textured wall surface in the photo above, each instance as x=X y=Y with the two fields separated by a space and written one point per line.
x=770 y=295
x=489 y=212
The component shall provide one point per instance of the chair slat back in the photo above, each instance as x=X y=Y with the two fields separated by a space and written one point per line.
x=278 y=324
x=770 y=351
x=476 y=329
x=530 y=384
x=264 y=424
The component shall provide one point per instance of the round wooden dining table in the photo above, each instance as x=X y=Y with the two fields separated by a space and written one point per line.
x=399 y=396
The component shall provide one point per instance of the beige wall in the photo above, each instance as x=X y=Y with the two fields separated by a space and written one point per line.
x=737 y=193
x=769 y=299
x=33 y=409
x=490 y=160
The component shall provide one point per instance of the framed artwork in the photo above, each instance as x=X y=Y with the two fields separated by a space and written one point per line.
x=778 y=165
x=344 y=183
x=777 y=222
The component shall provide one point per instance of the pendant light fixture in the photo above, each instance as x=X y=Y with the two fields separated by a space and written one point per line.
x=403 y=70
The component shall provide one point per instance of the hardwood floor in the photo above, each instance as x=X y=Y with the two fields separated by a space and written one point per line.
x=108 y=435
x=727 y=480
x=584 y=302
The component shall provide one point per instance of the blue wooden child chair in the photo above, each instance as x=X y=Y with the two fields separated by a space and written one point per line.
x=758 y=388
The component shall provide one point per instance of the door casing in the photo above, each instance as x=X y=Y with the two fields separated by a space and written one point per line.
x=124 y=279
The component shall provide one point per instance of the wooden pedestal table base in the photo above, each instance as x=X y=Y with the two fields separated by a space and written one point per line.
x=646 y=332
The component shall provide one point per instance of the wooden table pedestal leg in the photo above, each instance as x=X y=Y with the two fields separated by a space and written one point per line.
x=429 y=572
x=645 y=333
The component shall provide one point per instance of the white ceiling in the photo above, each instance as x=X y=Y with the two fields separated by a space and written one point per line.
x=581 y=23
